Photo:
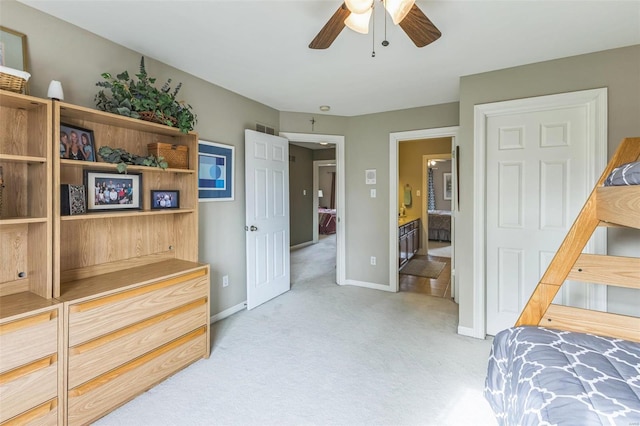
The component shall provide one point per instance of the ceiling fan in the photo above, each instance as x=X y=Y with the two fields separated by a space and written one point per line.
x=356 y=14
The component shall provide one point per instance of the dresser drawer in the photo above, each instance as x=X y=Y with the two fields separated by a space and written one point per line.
x=99 y=396
x=94 y=318
x=43 y=415
x=28 y=339
x=28 y=386
x=96 y=357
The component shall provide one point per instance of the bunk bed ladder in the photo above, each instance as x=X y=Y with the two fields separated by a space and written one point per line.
x=606 y=206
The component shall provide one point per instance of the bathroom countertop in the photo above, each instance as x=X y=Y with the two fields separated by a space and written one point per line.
x=406 y=219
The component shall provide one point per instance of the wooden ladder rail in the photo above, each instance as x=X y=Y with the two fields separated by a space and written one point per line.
x=574 y=242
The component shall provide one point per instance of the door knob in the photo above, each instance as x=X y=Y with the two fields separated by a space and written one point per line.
x=253 y=228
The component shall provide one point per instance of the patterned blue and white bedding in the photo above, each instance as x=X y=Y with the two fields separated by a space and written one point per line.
x=626 y=174
x=540 y=376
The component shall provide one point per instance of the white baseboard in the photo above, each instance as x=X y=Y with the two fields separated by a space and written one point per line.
x=228 y=312
x=470 y=332
x=299 y=246
x=368 y=285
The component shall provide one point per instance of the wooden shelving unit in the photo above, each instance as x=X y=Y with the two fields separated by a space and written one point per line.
x=136 y=300
x=30 y=319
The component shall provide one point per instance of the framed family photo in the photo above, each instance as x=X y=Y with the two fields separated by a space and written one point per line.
x=215 y=171
x=113 y=191
x=77 y=143
x=164 y=199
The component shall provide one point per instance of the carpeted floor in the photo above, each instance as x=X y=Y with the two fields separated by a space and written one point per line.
x=323 y=354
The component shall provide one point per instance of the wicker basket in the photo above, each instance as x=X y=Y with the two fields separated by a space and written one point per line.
x=151 y=116
x=12 y=83
x=177 y=156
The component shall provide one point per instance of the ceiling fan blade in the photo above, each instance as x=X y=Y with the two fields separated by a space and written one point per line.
x=331 y=29
x=419 y=28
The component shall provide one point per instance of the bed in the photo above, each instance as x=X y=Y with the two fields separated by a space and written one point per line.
x=440 y=225
x=326 y=221
x=565 y=365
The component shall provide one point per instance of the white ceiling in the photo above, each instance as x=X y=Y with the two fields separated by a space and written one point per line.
x=259 y=49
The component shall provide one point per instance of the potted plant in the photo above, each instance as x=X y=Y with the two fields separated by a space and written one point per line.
x=141 y=99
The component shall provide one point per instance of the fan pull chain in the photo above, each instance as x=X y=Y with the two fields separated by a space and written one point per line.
x=385 y=42
x=373 y=32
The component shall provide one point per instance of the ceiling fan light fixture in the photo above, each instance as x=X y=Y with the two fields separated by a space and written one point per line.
x=398 y=9
x=358 y=6
x=359 y=22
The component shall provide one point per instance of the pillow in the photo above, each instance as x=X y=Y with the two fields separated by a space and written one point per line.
x=626 y=174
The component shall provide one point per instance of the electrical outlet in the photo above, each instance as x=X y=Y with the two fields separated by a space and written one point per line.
x=373 y=260
x=225 y=281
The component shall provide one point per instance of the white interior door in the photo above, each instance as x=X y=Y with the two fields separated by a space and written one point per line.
x=538 y=167
x=267 y=216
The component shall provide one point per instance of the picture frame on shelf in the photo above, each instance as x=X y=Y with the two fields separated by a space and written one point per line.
x=73 y=199
x=215 y=171
x=165 y=199
x=448 y=186
x=77 y=143
x=113 y=191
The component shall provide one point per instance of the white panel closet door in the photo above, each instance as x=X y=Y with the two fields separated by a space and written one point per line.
x=537 y=164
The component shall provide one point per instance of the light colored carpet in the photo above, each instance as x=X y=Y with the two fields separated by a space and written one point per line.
x=423 y=268
x=439 y=248
x=323 y=354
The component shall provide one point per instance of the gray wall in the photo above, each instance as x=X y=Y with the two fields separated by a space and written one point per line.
x=56 y=49
x=617 y=69
x=60 y=51
x=300 y=204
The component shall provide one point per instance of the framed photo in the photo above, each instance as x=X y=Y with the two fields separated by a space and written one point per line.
x=164 y=199
x=215 y=171
x=13 y=49
x=77 y=143
x=113 y=191
x=448 y=186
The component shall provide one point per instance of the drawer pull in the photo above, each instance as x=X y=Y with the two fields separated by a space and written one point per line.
x=28 y=369
x=81 y=307
x=136 y=327
x=32 y=414
x=28 y=322
x=113 y=374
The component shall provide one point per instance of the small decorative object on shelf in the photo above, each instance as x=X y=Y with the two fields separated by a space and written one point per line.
x=112 y=191
x=141 y=99
x=176 y=156
x=165 y=199
x=121 y=157
x=72 y=199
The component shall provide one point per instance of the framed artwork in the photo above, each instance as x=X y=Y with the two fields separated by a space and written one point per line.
x=13 y=49
x=448 y=186
x=165 y=199
x=215 y=171
x=113 y=191
x=77 y=143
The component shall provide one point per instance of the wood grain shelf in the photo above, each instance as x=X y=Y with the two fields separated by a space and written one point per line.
x=22 y=220
x=131 y=213
x=113 y=167
x=24 y=302
x=22 y=159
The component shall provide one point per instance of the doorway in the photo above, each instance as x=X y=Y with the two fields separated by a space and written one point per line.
x=394 y=190
x=424 y=223
x=328 y=244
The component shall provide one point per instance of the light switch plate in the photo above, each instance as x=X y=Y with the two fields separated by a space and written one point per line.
x=373 y=193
